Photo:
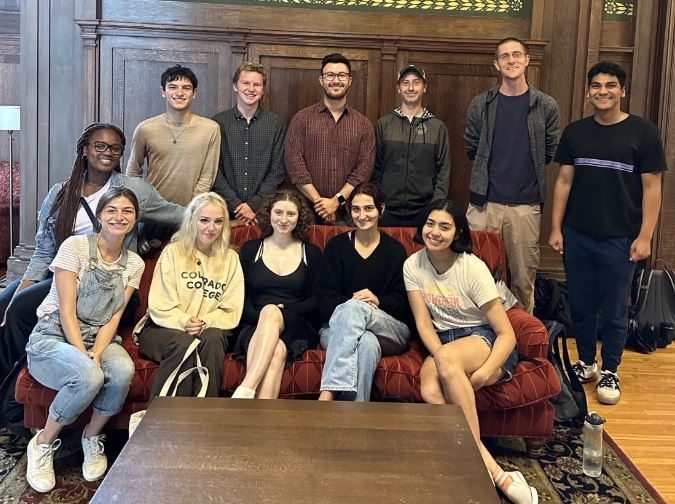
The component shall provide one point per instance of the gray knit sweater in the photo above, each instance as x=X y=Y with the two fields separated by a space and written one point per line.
x=543 y=123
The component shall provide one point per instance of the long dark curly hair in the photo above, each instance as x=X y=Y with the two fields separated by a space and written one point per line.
x=284 y=194
x=67 y=200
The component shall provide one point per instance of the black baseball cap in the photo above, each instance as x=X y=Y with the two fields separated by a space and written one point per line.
x=411 y=69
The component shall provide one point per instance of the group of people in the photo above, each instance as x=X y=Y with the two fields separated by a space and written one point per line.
x=361 y=296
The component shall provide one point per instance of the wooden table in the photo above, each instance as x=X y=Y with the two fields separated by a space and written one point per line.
x=214 y=450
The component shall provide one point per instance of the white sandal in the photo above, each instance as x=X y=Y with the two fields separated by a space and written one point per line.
x=518 y=492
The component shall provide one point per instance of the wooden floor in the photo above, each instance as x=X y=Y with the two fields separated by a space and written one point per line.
x=643 y=422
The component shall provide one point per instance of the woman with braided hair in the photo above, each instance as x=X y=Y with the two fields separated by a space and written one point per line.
x=67 y=210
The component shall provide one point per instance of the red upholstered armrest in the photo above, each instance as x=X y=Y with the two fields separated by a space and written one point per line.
x=531 y=335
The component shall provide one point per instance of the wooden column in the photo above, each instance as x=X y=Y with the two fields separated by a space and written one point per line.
x=34 y=120
x=90 y=70
x=644 y=75
x=588 y=50
x=665 y=104
x=389 y=71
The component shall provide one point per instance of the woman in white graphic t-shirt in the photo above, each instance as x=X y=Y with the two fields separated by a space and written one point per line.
x=461 y=320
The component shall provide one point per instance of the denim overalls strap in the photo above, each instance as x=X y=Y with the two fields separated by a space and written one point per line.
x=100 y=292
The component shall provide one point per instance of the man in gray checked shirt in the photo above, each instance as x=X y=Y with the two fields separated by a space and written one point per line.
x=252 y=147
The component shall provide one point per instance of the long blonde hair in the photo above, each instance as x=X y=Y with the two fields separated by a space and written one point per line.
x=186 y=237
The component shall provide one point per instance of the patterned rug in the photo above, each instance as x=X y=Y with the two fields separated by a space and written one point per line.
x=556 y=473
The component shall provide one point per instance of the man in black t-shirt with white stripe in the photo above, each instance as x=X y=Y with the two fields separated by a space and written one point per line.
x=606 y=204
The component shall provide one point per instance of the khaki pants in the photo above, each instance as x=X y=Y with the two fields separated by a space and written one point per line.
x=519 y=226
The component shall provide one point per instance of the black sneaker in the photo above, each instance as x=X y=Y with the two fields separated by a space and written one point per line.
x=608 y=390
x=585 y=372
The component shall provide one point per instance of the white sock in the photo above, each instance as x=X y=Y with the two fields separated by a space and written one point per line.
x=243 y=393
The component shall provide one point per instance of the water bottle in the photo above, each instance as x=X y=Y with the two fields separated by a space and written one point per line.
x=592 y=462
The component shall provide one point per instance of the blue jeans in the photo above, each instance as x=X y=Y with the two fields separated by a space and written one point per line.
x=356 y=337
x=57 y=364
x=599 y=277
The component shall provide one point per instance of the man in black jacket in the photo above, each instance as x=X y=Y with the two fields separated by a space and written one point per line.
x=412 y=164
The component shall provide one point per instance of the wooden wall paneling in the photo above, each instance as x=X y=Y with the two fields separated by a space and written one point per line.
x=588 y=49
x=286 y=20
x=563 y=83
x=645 y=39
x=90 y=71
x=33 y=127
x=549 y=59
x=293 y=76
x=389 y=82
x=665 y=242
x=131 y=68
x=87 y=18
x=62 y=75
x=538 y=20
x=618 y=33
x=9 y=88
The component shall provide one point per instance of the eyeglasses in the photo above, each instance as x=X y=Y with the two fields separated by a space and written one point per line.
x=515 y=55
x=342 y=76
x=101 y=146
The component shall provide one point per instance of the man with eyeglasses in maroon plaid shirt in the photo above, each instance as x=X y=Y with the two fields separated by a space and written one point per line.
x=330 y=147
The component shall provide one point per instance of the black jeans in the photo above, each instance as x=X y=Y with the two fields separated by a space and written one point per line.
x=19 y=322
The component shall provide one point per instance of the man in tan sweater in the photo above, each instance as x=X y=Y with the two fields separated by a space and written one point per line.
x=181 y=148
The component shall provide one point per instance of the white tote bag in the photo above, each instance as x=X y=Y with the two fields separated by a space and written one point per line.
x=168 y=391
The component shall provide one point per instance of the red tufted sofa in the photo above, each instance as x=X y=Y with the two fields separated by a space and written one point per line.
x=519 y=407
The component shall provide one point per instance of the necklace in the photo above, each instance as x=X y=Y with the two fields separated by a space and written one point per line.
x=168 y=126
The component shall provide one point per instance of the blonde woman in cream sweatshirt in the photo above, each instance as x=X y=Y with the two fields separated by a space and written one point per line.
x=197 y=291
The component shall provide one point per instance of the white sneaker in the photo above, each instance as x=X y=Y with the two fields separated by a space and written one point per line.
x=518 y=492
x=242 y=392
x=40 y=469
x=608 y=390
x=584 y=372
x=95 y=462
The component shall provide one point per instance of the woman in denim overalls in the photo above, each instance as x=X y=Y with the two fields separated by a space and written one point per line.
x=74 y=347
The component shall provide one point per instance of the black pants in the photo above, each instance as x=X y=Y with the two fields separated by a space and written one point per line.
x=20 y=321
x=168 y=346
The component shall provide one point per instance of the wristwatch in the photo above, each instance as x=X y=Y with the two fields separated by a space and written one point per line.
x=341 y=199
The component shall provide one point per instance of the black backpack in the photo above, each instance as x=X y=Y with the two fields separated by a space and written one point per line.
x=550 y=301
x=651 y=320
x=570 y=405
